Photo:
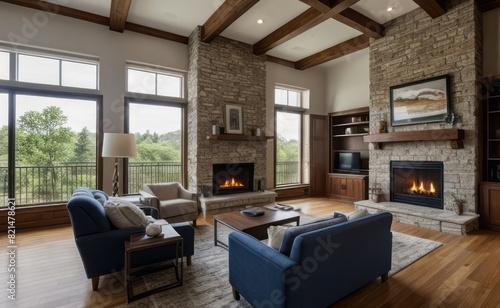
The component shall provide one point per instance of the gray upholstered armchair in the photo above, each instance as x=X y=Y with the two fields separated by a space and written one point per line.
x=174 y=203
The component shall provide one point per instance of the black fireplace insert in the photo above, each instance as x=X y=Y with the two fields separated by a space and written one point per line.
x=417 y=182
x=232 y=178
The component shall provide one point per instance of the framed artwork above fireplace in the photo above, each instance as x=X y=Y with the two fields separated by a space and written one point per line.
x=234 y=119
x=421 y=101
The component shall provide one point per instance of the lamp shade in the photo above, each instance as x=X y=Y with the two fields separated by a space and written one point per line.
x=118 y=145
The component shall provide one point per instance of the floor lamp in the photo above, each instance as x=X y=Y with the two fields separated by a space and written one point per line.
x=118 y=145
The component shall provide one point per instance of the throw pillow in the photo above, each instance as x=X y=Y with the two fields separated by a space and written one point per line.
x=124 y=214
x=293 y=232
x=356 y=214
x=275 y=235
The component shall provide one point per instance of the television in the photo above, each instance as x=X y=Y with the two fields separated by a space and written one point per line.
x=347 y=161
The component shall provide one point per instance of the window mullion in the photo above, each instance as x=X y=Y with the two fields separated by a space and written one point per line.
x=13 y=66
x=60 y=72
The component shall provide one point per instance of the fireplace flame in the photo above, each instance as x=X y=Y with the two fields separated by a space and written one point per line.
x=231 y=183
x=421 y=190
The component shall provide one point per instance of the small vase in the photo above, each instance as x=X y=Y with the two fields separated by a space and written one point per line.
x=458 y=207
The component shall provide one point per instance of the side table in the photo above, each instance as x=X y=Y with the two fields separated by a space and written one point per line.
x=142 y=241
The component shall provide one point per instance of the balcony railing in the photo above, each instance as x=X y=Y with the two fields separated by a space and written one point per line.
x=38 y=185
x=287 y=172
x=149 y=173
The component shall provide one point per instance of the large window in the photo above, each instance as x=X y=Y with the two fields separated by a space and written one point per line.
x=4 y=148
x=289 y=137
x=157 y=122
x=58 y=72
x=160 y=83
x=48 y=139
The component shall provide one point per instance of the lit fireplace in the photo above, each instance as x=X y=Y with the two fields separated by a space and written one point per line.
x=417 y=182
x=231 y=183
x=232 y=178
x=421 y=190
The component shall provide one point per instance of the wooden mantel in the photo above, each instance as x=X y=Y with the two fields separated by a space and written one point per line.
x=238 y=137
x=454 y=135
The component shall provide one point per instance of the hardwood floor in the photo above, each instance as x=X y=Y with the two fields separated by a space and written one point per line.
x=464 y=272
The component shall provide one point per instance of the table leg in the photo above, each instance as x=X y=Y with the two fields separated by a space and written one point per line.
x=126 y=271
x=215 y=232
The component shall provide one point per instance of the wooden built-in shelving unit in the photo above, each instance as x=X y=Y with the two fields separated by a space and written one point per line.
x=454 y=135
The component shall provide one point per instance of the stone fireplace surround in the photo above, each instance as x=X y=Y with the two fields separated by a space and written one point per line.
x=417 y=47
x=225 y=72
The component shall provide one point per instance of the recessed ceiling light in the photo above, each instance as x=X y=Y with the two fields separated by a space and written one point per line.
x=390 y=9
x=260 y=21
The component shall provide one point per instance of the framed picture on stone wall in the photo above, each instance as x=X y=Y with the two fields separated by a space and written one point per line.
x=421 y=101
x=234 y=119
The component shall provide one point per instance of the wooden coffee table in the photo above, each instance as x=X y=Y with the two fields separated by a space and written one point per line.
x=254 y=226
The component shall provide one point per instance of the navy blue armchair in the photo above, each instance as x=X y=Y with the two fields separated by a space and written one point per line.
x=102 y=246
x=323 y=266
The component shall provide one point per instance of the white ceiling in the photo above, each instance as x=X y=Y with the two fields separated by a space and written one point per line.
x=182 y=16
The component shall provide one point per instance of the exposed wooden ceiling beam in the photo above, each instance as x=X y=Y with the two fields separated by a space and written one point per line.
x=223 y=17
x=350 y=18
x=280 y=61
x=337 y=51
x=156 y=33
x=321 y=5
x=61 y=10
x=488 y=5
x=434 y=8
x=361 y=23
x=98 y=19
x=305 y=21
x=118 y=14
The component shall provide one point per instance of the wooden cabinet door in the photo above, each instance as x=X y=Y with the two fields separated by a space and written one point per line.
x=490 y=206
x=319 y=155
x=346 y=187
x=350 y=190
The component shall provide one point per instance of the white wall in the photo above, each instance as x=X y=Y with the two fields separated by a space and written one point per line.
x=312 y=79
x=38 y=28
x=348 y=82
x=491 y=43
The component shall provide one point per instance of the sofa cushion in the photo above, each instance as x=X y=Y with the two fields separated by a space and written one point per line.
x=177 y=207
x=275 y=235
x=293 y=232
x=352 y=215
x=165 y=191
x=124 y=214
x=100 y=196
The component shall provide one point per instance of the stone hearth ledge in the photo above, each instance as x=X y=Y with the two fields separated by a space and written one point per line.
x=222 y=202
x=425 y=217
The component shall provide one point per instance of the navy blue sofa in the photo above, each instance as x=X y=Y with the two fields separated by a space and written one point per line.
x=324 y=265
x=102 y=246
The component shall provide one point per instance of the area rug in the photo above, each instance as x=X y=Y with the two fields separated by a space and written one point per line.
x=206 y=280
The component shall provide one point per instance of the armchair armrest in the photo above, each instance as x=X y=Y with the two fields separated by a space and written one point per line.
x=186 y=194
x=149 y=199
x=257 y=271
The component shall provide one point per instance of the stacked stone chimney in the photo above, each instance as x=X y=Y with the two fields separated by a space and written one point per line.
x=223 y=72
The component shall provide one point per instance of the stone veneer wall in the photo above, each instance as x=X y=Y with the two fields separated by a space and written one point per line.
x=417 y=47
x=223 y=72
